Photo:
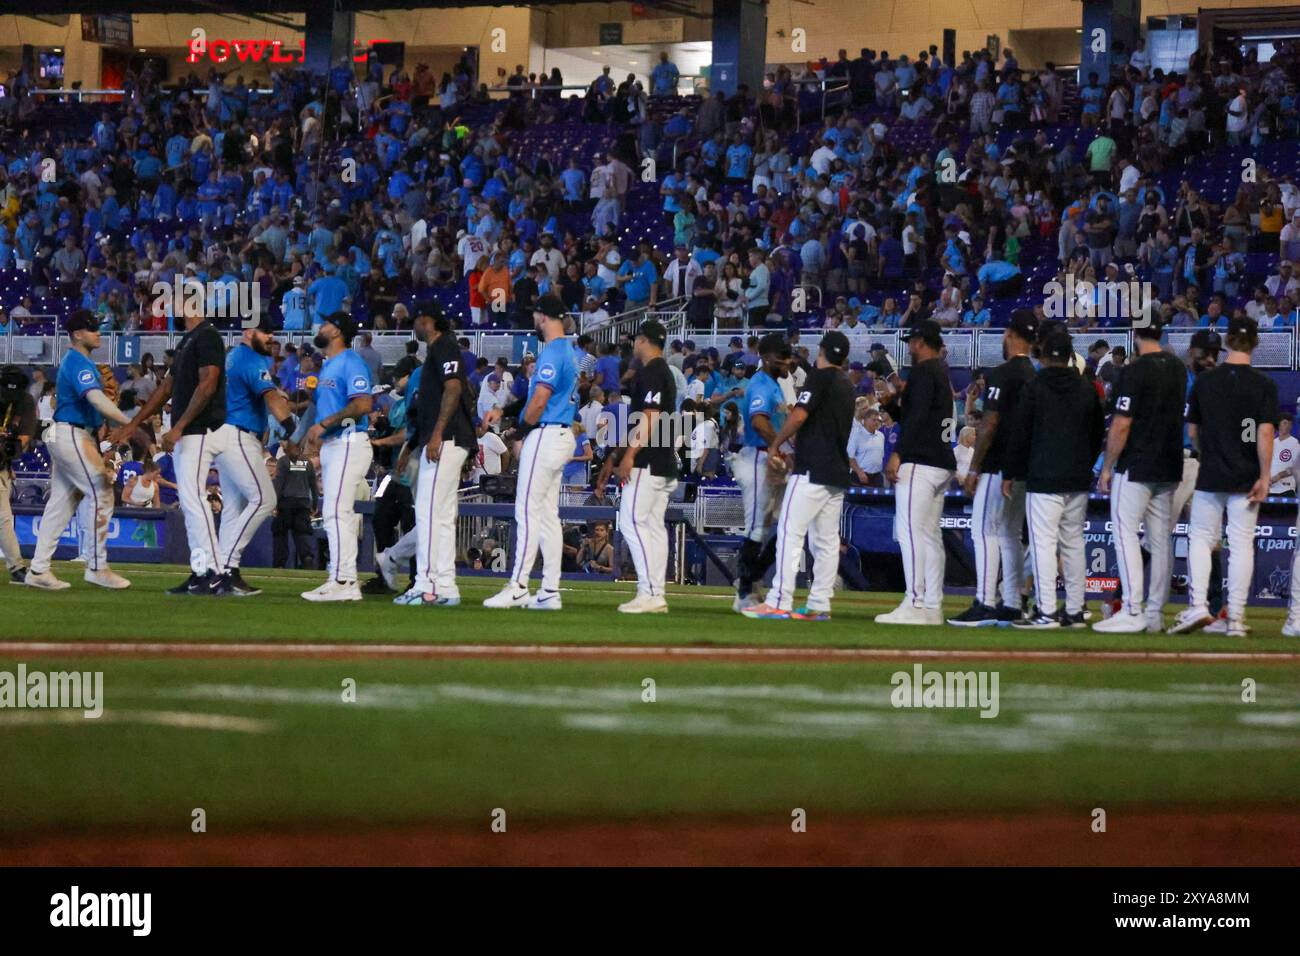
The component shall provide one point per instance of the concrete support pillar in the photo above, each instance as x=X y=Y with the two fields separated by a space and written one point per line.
x=330 y=32
x=1104 y=23
x=739 y=45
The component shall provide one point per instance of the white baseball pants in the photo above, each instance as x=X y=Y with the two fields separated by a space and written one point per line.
x=85 y=522
x=247 y=493
x=995 y=531
x=813 y=511
x=641 y=522
x=344 y=461
x=1183 y=493
x=13 y=556
x=435 y=520
x=194 y=456
x=918 y=506
x=1205 y=533
x=77 y=472
x=750 y=470
x=1056 y=526
x=542 y=458
x=1131 y=504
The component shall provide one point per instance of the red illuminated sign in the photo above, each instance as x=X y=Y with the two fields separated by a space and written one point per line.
x=257 y=51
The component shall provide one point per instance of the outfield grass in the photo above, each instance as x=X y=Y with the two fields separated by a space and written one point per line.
x=273 y=743
x=698 y=616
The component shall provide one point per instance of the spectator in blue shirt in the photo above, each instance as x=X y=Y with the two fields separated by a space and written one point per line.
x=663 y=79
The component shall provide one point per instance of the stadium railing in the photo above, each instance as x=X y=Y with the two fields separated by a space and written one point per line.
x=967 y=348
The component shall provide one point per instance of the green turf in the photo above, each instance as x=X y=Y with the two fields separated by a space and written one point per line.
x=454 y=739
x=698 y=616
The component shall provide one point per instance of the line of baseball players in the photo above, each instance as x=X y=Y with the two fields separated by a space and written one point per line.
x=1203 y=432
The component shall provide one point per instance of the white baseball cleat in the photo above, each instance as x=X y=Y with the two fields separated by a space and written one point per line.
x=1291 y=628
x=907 y=613
x=1191 y=619
x=509 y=596
x=107 y=579
x=544 y=601
x=1237 y=627
x=1122 y=623
x=1223 y=625
x=334 y=591
x=644 y=604
x=388 y=570
x=45 y=580
x=739 y=603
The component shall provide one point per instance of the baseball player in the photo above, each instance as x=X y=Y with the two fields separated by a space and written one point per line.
x=343 y=404
x=549 y=411
x=197 y=390
x=1232 y=416
x=1057 y=439
x=814 y=493
x=444 y=438
x=77 y=468
x=19 y=423
x=248 y=495
x=762 y=410
x=647 y=468
x=920 y=468
x=996 y=520
x=1141 y=471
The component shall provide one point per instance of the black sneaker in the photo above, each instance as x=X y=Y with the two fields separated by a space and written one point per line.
x=377 y=585
x=1038 y=621
x=977 y=615
x=196 y=585
x=238 y=586
x=1008 y=615
x=221 y=586
x=17 y=575
x=1072 y=620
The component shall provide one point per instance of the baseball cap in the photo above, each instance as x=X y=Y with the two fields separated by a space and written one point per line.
x=654 y=332
x=551 y=306
x=689 y=344
x=1024 y=323
x=346 y=325
x=1058 y=345
x=299 y=280
x=928 y=332
x=79 y=321
x=1242 y=325
x=736 y=340
x=878 y=347
x=835 y=345
x=774 y=343
x=1207 y=339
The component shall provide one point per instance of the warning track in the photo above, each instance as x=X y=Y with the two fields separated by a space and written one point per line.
x=607 y=652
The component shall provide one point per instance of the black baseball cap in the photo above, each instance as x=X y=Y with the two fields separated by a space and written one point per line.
x=774 y=343
x=1153 y=329
x=654 y=332
x=1208 y=340
x=1242 y=325
x=835 y=345
x=346 y=325
x=1024 y=323
x=80 y=320
x=927 y=331
x=878 y=347
x=551 y=306
x=1058 y=345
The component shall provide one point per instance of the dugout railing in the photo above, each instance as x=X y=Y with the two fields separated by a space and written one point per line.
x=967 y=348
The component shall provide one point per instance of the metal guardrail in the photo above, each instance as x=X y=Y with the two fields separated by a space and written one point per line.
x=1279 y=349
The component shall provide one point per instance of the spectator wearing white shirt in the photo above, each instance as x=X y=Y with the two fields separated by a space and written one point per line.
x=1285 y=451
x=1283 y=283
x=589 y=414
x=867 y=445
x=594 y=315
x=681 y=273
x=490 y=396
x=550 y=257
x=822 y=157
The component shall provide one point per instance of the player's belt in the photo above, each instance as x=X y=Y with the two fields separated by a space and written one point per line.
x=246 y=431
x=555 y=425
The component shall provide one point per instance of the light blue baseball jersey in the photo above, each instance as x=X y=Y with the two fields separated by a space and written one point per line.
x=248 y=379
x=557 y=369
x=762 y=397
x=77 y=378
x=342 y=378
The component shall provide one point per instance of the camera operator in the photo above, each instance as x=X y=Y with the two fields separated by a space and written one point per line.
x=18 y=423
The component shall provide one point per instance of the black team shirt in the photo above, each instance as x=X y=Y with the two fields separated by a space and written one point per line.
x=1002 y=393
x=1150 y=392
x=1228 y=406
x=925 y=416
x=1058 y=434
x=821 y=448
x=654 y=389
x=200 y=347
x=442 y=364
